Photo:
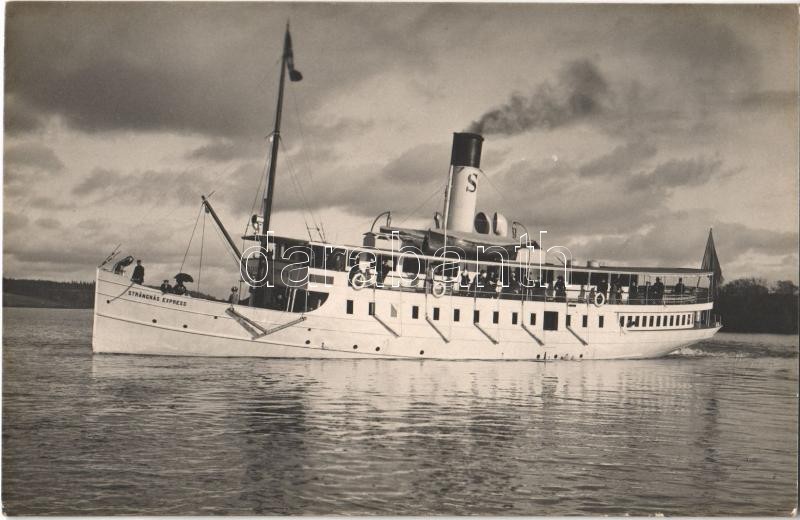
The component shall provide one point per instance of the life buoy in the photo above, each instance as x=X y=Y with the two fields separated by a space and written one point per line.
x=599 y=299
x=438 y=289
x=359 y=281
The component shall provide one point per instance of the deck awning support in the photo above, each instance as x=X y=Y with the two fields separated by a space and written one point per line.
x=477 y=325
x=439 y=332
x=531 y=334
x=583 y=341
x=386 y=326
x=249 y=324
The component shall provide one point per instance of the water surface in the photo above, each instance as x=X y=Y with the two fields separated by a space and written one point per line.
x=710 y=430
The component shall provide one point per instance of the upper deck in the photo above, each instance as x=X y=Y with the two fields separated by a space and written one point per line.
x=404 y=269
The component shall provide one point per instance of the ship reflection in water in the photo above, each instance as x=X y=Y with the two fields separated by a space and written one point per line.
x=691 y=434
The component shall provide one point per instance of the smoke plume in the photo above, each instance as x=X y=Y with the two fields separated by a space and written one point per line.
x=580 y=92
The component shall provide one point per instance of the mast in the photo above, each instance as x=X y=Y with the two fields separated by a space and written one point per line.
x=266 y=208
x=287 y=63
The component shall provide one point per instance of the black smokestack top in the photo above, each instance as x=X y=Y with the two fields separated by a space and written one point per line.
x=581 y=92
x=466 y=150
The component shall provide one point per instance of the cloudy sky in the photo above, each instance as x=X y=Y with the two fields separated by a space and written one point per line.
x=624 y=131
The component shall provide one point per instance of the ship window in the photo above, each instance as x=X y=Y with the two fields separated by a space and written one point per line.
x=476 y=316
x=652 y=320
x=495 y=317
x=601 y=321
x=550 y=320
x=349 y=306
x=569 y=320
x=436 y=313
x=585 y=321
x=658 y=321
x=514 y=318
x=393 y=311
x=456 y=314
x=533 y=318
x=671 y=320
x=371 y=310
x=415 y=312
x=683 y=319
x=636 y=322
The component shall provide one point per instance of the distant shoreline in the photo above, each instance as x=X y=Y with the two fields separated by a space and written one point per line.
x=747 y=306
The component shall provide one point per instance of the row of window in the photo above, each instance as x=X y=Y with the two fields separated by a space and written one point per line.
x=550 y=317
x=671 y=320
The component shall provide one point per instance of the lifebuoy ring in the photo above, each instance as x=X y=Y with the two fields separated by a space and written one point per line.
x=438 y=289
x=359 y=281
x=599 y=299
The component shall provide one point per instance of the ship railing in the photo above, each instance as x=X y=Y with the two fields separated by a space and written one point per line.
x=404 y=282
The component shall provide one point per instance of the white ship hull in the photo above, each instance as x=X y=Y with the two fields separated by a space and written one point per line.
x=132 y=319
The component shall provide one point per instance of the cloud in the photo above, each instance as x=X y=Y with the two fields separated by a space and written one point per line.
x=620 y=161
x=34 y=156
x=580 y=93
x=198 y=68
x=47 y=223
x=676 y=173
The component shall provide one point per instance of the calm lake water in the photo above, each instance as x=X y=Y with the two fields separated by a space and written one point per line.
x=711 y=430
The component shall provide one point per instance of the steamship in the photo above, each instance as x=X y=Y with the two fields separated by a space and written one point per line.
x=470 y=286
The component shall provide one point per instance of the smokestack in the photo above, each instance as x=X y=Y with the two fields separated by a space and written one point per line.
x=465 y=160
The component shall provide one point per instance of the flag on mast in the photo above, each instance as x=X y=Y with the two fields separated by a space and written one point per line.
x=711 y=261
x=288 y=54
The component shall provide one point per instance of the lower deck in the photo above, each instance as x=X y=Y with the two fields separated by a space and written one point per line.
x=392 y=324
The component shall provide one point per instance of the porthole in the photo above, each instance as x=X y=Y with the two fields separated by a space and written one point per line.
x=538 y=356
x=185 y=326
x=377 y=349
x=309 y=329
x=555 y=356
x=581 y=356
x=421 y=352
x=355 y=347
x=215 y=317
x=308 y=342
x=155 y=321
x=108 y=301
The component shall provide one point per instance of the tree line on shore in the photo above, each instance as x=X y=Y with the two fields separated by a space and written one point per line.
x=745 y=305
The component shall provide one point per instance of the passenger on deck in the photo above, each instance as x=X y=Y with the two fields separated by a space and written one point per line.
x=138 y=273
x=592 y=294
x=383 y=271
x=464 y=284
x=166 y=287
x=492 y=285
x=602 y=287
x=561 y=290
x=514 y=287
x=633 y=292
x=582 y=294
x=179 y=289
x=648 y=293
x=679 y=287
x=233 y=299
x=658 y=290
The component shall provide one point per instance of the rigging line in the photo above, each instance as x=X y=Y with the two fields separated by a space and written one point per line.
x=202 y=243
x=502 y=197
x=414 y=211
x=303 y=147
x=299 y=186
x=255 y=199
x=226 y=246
x=300 y=192
x=191 y=238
